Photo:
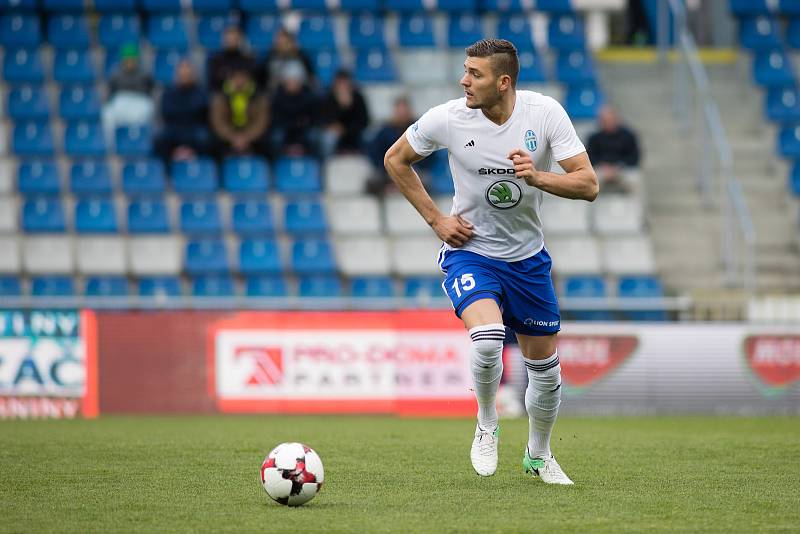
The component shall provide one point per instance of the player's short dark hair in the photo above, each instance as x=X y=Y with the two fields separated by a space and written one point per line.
x=502 y=54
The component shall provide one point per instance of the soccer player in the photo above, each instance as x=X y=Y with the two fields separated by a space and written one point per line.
x=501 y=145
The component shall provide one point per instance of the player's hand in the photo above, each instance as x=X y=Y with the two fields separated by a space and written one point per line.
x=453 y=230
x=524 y=167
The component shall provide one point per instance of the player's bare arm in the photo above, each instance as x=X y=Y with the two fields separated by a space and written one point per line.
x=452 y=229
x=579 y=182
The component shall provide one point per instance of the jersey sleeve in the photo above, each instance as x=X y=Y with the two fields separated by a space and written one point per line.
x=429 y=133
x=564 y=141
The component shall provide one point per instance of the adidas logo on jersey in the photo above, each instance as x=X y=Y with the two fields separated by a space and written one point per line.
x=471 y=143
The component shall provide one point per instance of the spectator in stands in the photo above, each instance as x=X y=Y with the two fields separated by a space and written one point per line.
x=285 y=51
x=344 y=116
x=130 y=101
x=240 y=116
x=231 y=58
x=294 y=113
x=614 y=152
x=402 y=118
x=184 y=110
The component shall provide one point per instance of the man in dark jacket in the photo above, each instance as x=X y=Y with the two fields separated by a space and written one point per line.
x=285 y=51
x=240 y=116
x=294 y=108
x=344 y=116
x=184 y=110
x=231 y=58
x=614 y=151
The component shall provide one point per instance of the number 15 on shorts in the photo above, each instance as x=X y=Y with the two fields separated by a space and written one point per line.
x=467 y=282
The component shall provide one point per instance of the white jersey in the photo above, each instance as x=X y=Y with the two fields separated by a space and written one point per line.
x=504 y=210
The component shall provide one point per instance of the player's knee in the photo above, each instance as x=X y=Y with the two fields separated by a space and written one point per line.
x=487 y=343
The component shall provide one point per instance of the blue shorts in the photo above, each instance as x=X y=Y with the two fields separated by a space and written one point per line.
x=523 y=289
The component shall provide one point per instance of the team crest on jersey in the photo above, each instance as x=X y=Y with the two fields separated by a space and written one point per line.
x=530 y=140
x=503 y=194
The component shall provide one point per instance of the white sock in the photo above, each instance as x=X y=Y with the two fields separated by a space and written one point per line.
x=542 y=399
x=486 y=360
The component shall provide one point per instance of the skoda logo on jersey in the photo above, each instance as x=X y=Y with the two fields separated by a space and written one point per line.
x=530 y=140
x=503 y=194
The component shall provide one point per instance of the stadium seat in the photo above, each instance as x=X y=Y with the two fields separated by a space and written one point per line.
x=11 y=259
x=794 y=179
x=319 y=286
x=48 y=255
x=161 y=6
x=312 y=256
x=90 y=177
x=415 y=256
x=168 y=31
x=43 y=215
x=463 y=30
x=366 y=30
x=789 y=142
x=583 y=101
x=434 y=75
x=117 y=29
x=213 y=286
x=245 y=175
x=373 y=287
x=206 y=256
x=28 y=102
x=531 y=68
x=194 y=176
x=115 y=6
x=84 y=138
x=575 y=255
x=749 y=8
x=259 y=256
x=359 y=5
x=305 y=217
x=258 y=6
x=210 y=29
x=101 y=254
x=165 y=63
x=423 y=287
x=95 y=215
x=415 y=6
x=212 y=6
x=68 y=31
x=252 y=217
x=326 y=63
x=783 y=104
x=517 y=29
x=160 y=286
x=628 y=255
x=266 y=286
x=79 y=102
x=575 y=67
x=155 y=255
x=555 y=6
x=561 y=216
x=790 y=8
x=363 y=256
x=20 y=31
x=437 y=175
x=148 y=216
x=52 y=286
x=347 y=174
x=416 y=30
x=38 y=177
x=316 y=31
x=32 y=139
x=63 y=6
x=9 y=217
x=143 y=176
x=618 y=215
x=106 y=286
x=297 y=175
x=452 y=6
x=773 y=69
x=586 y=287
x=200 y=217
x=10 y=286
x=374 y=65
x=759 y=33
x=73 y=66
x=502 y=6
x=344 y=220
x=260 y=30
x=133 y=141
x=401 y=218
x=641 y=287
x=21 y=6
x=793 y=30
x=23 y=66
x=566 y=32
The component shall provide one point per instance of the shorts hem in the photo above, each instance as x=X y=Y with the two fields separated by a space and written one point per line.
x=493 y=295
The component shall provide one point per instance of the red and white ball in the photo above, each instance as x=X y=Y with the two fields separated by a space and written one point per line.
x=292 y=474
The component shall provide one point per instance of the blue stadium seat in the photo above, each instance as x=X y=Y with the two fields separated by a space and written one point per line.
x=554 y=6
x=789 y=141
x=463 y=30
x=115 y=6
x=161 y=6
x=759 y=33
x=106 y=286
x=773 y=68
x=374 y=65
x=165 y=63
x=783 y=104
x=68 y=31
x=583 y=101
x=266 y=286
x=43 y=214
x=10 y=286
x=39 y=177
x=95 y=216
x=316 y=31
x=63 y=6
x=372 y=287
x=531 y=67
x=245 y=175
x=359 y=5
x=517 y=29
x=326 y=63
x=90 y=177
x=259 y=256
x=587 y=287
x=794 y=179
x=28 y=102
x=260 y=31
x=160 y=286
x=20 y=31
x=20 y=6
x=148 y=216
x=313 y=256
x=194 y=176
x=206 y=256
x=423 y=287
x=200 y=217
x=566 y=32
x=305 y=217
x=212 y=6
x=297 y=175
x=641 y=287
x=33 y=139
x=84 y=138
x=258 y=6
x=455 y=6
x=79 y=102
x=416 y=30
x=52 y=286
x=790 y=8
x=318 y=6
x=319 y=286
x=793 y=30
x=252 y=217
x=213 y=286
x=115 y=30
x=73 y=66
x=575 y=67
x=438 y=176
x=168 y=31
x=416 y=6
x=143 y=176
x=133 y=140
x=367 y=30
x=749 y=8
x=210 y=29
x=23 y=65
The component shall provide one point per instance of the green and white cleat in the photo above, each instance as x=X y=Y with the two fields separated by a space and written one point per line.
x=484 y=451
x=545 y=468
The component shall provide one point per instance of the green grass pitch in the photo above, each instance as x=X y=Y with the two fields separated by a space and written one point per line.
x=201 y=474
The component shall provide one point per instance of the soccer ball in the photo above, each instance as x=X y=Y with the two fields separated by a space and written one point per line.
x=292 y=474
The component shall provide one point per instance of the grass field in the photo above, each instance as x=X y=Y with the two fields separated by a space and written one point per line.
x=399 y=475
